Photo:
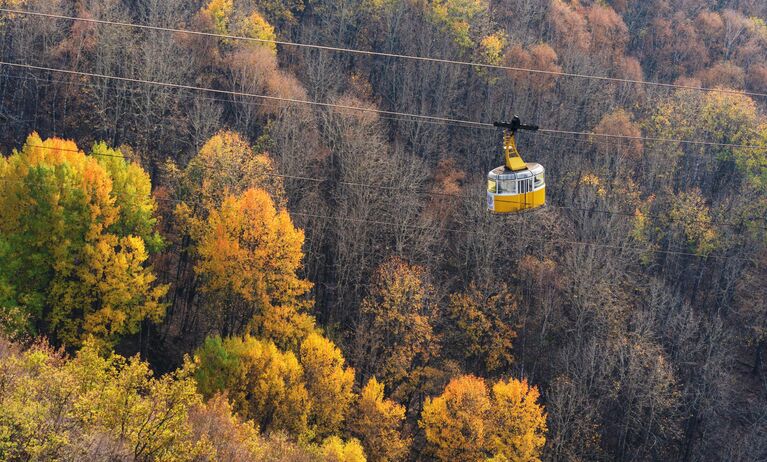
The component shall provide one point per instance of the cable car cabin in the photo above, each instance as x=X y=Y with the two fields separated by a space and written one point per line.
x=517 y=186
x=509 y=191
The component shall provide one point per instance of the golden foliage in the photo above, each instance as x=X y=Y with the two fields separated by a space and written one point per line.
x=283 y=325
x=219 y=12
x=376 y=421
x=226 y=165
x=76 y=238
x=265 y=384
x=492 y=47
x=336 y=450
x=251 y=251
x=52 y=408
x=328 y=382
x=481 y=328
x=518 y=430
x=466 y=423
x=241 y=18
x=592 y=180
x=691 y=213
x=397 y=336
x=244 y=245
x=457 y=16
x=255 y=26
x=455 y=423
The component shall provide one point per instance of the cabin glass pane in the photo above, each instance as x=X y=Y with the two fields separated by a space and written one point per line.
x=507 y=187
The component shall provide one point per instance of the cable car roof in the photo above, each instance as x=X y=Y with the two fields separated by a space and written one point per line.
x=502 y=173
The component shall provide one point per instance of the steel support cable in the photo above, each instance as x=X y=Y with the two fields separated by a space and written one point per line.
x=414 y=190
x=405 y=115
x=392 y=188
x=419 y=117
x=381 y=54
x=607 y=142
x=33 y=78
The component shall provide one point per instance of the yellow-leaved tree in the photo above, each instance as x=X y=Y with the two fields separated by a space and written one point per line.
x=377 y=421
x=395 y=339
x=308 y=395
x=236 y=234
x=518 y=422
x=329 y=384
x=228 y=17
x=690 y=216
x=75 y=234
x=467 y=423
x=94 y=408
x=460 y=18
x=265 y=384
x=225 y=165
x=455 y=423
x=336 y=450
x=481 y=328
x=249 y=254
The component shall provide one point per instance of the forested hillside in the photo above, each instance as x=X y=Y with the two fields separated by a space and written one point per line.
x=222 y=246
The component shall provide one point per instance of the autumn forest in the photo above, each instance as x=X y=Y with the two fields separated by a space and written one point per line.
x=219 y=244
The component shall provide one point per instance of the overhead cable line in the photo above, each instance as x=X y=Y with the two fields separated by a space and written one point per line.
x=33 y=78
x=409 y=117
x=655 y=139
x=412 y=190
x=252 y=95
x=607 y=142
x=383 y=54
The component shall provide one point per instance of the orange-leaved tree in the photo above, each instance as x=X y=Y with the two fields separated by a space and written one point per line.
x=249 y=254
x=232 y=229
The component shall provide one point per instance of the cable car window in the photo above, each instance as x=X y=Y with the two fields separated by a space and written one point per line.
x=525 y=185
x=491 y=186
x=507 y=187
x=539 y=180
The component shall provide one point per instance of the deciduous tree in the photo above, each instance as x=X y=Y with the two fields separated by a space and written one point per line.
x=74 y=238
x=265 y=384
x=249 y=256
x=518 y=430
x=396 y=335
x=456 y=422
x=328 y=382
x=377 y=421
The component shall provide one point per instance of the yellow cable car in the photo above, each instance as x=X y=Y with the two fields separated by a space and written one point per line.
x=517 y=186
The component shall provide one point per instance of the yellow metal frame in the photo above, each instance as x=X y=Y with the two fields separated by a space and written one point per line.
x=514 y=161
